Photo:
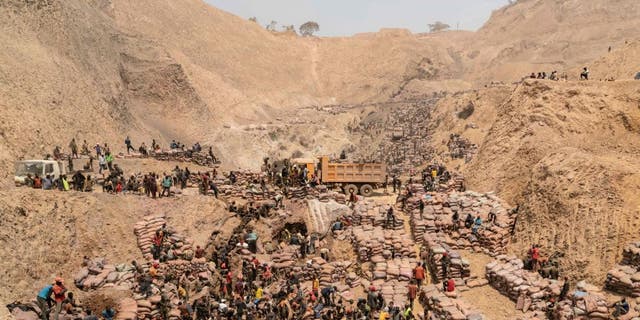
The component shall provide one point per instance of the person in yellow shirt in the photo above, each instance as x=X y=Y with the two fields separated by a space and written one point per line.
x=259 y=292
x=153 y=270
x=182 y=293
x=384 y=314
x=316 y=286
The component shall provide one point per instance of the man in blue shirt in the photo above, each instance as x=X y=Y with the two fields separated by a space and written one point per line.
x=43 y=300
x=109 y=313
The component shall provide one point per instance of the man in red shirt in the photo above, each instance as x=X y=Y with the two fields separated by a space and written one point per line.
x=451 y=285
x=59 y=292
x=535 y=257
x=412 y=292
x=419 y=274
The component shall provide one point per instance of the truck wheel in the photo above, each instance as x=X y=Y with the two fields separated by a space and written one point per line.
x=366 y=190
x=349 y=188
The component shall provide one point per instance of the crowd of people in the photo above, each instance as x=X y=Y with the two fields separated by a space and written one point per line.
x=111 y=177
x=246 y=288
x=551 y=76
x=243 y=287
x=584 y=75
x=55 y=299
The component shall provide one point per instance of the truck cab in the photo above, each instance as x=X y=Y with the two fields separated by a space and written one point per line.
x=40 y=167
x=309 y=163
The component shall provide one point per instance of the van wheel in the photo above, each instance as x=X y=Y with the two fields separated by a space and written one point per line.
x=349 y=188
x=366 y=190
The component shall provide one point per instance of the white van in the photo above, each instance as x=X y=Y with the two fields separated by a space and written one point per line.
x=40 y=167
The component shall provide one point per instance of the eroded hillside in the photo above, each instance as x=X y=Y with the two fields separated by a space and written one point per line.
x=566 y=152
x=103 y=69
x=534 y=36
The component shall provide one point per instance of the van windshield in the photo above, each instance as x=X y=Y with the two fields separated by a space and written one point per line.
x=24 y=168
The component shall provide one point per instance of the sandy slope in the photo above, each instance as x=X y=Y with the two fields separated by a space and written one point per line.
x=538 y=35
x=619 y=64
x=102 y=69
x=567 y=153
x=46 y=233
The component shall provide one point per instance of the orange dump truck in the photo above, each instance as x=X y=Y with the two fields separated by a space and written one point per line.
x=357 y=177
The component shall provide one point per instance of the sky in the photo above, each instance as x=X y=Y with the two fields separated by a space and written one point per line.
x=348 y=17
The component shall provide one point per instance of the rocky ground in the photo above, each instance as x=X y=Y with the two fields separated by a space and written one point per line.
x=104 y=69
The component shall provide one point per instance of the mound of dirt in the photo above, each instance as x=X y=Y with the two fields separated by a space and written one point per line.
x=566 y=152
x=619 y=64
x=541 y=35
x=46 y=233
x=103 y=69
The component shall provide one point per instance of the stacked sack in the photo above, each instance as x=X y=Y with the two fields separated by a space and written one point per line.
x=338 y=197
x=199 y=267
x=372 y=241
x=587 y=302
x=458 y=267
x=368 y=212
x=145 y=231
x=624 y=280
x=444 y=307
x=252 y=192
x=528 y=289
x=327 y=272
x=333 y=272
x=631 y=254
x=492 y=238
x=353 y=280
x=200 y=158
x=392 y=269
x=392 y=291
x=98 y=274
x=456 y=183
x=285 y=259
x=150 y=306
x=127 y=309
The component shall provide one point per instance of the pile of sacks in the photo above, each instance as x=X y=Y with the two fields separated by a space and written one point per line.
x=285 y=262
x=492 y=238
x=393 y=290
x=97 y=273
x=458 y=268
x=392 y=269
x=624 y=280
x=199 y=267
x=456 y=183
x=368 y=212
x=150 y=307
x=127 y=309
x=328 y=273
x=587 y=302
x=145 y=231
x=528 y=289
x=461 y=148
x=303 y=192
x=352 y=280
x=372 y=241
x=340 y=198
x=252 y=192
x=631 y=254
x=285 y=259
x=200 y=158
x=444 y=307
x=625 y=277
